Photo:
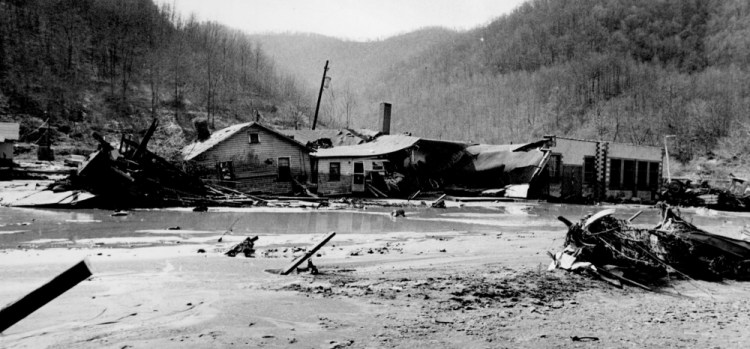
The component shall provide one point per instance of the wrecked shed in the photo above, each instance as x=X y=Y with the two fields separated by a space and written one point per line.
x=249 y=157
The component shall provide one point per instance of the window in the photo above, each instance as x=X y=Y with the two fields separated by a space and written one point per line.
x=377 y=166
x=642 y=175
x=554 y=167
x=253 y=137
x=628 y=174
x=615 y=168
x=285 y=172
x=225 y=170
x=589 y=170
x=334 y=173
x=653 y=175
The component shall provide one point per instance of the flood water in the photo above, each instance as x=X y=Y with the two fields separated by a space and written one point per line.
x=20 y=227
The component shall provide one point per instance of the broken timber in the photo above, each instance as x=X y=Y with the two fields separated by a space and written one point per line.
x=44 y=294
x=307 y=255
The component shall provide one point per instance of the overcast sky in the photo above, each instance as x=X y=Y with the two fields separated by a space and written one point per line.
x=347 y=19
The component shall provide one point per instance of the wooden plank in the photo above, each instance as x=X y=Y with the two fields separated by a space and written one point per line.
x=36 y=299
x=307 y=255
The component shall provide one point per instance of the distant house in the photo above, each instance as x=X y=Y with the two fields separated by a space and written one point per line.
x=599 y=170
x=250 y=157
x=9 y=132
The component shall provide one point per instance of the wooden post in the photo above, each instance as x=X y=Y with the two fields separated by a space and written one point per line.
x=44 y=294
x=307 y=255
x=320 y=94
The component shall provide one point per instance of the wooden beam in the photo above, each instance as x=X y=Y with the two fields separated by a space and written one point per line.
x=22 y=308
x=307 y=255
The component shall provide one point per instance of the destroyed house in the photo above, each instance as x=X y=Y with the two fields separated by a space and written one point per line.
x=8 y=133
x=250 y=157
x=587 y=170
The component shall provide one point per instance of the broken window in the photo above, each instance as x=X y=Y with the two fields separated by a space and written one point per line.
x=642 y=175
x=334 y=173
x=615 y=167
x=554 y=167
x=377 y=166
x=285 y=172
x=253 y=137
x=628 y=174
x=653 y=175
x=589 y=170
x=225 y=170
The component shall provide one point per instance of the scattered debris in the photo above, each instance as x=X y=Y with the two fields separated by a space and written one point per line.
x=398 y=213
x=307 y=255
x=618 y=252
x=684 y=192
x=309 y=268
x=440 y=202
x=119 y=213
x=246 y=247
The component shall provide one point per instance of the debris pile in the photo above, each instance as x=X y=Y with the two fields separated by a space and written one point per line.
x=132 y=176
x=618 y=252
x=246 y=247
x=684 y=192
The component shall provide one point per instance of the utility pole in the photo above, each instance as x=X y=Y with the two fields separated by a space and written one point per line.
x=666 y=154
x=320 y=94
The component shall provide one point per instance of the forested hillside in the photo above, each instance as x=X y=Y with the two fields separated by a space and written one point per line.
x=354 y=66
x=621 y=70
x=112 y=65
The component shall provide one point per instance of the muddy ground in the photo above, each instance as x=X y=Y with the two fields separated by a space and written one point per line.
x=445 y=288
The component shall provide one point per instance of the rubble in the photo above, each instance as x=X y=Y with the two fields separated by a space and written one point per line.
x=132 y=176
x=685 y=192
x=618 y=252
x=246 y=247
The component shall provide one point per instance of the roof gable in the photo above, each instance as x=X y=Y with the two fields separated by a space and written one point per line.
x=193 y=150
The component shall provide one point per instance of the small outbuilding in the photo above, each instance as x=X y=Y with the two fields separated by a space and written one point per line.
x=250 y=157
x=9 y=132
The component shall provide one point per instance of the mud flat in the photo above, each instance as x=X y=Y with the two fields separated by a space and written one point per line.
x=484 y=287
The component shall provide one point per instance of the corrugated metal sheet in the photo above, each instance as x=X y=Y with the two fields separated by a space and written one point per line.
x=9 y=131
x=191 y=151
x=382 y=145
x=488 y=157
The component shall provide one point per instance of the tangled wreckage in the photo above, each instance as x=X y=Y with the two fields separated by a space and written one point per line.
x=618 y=252
x=131 y=176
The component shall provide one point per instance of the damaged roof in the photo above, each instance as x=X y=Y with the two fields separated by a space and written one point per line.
x=9 y=131
x=196 y=148
x=382 y=145
x=338 y=137
x=511 y=156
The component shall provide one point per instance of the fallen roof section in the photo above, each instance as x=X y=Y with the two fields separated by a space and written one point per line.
x=338 y=137
x=382 y=145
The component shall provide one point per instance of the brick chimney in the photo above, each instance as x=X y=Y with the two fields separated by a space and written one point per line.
x=385 y=118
